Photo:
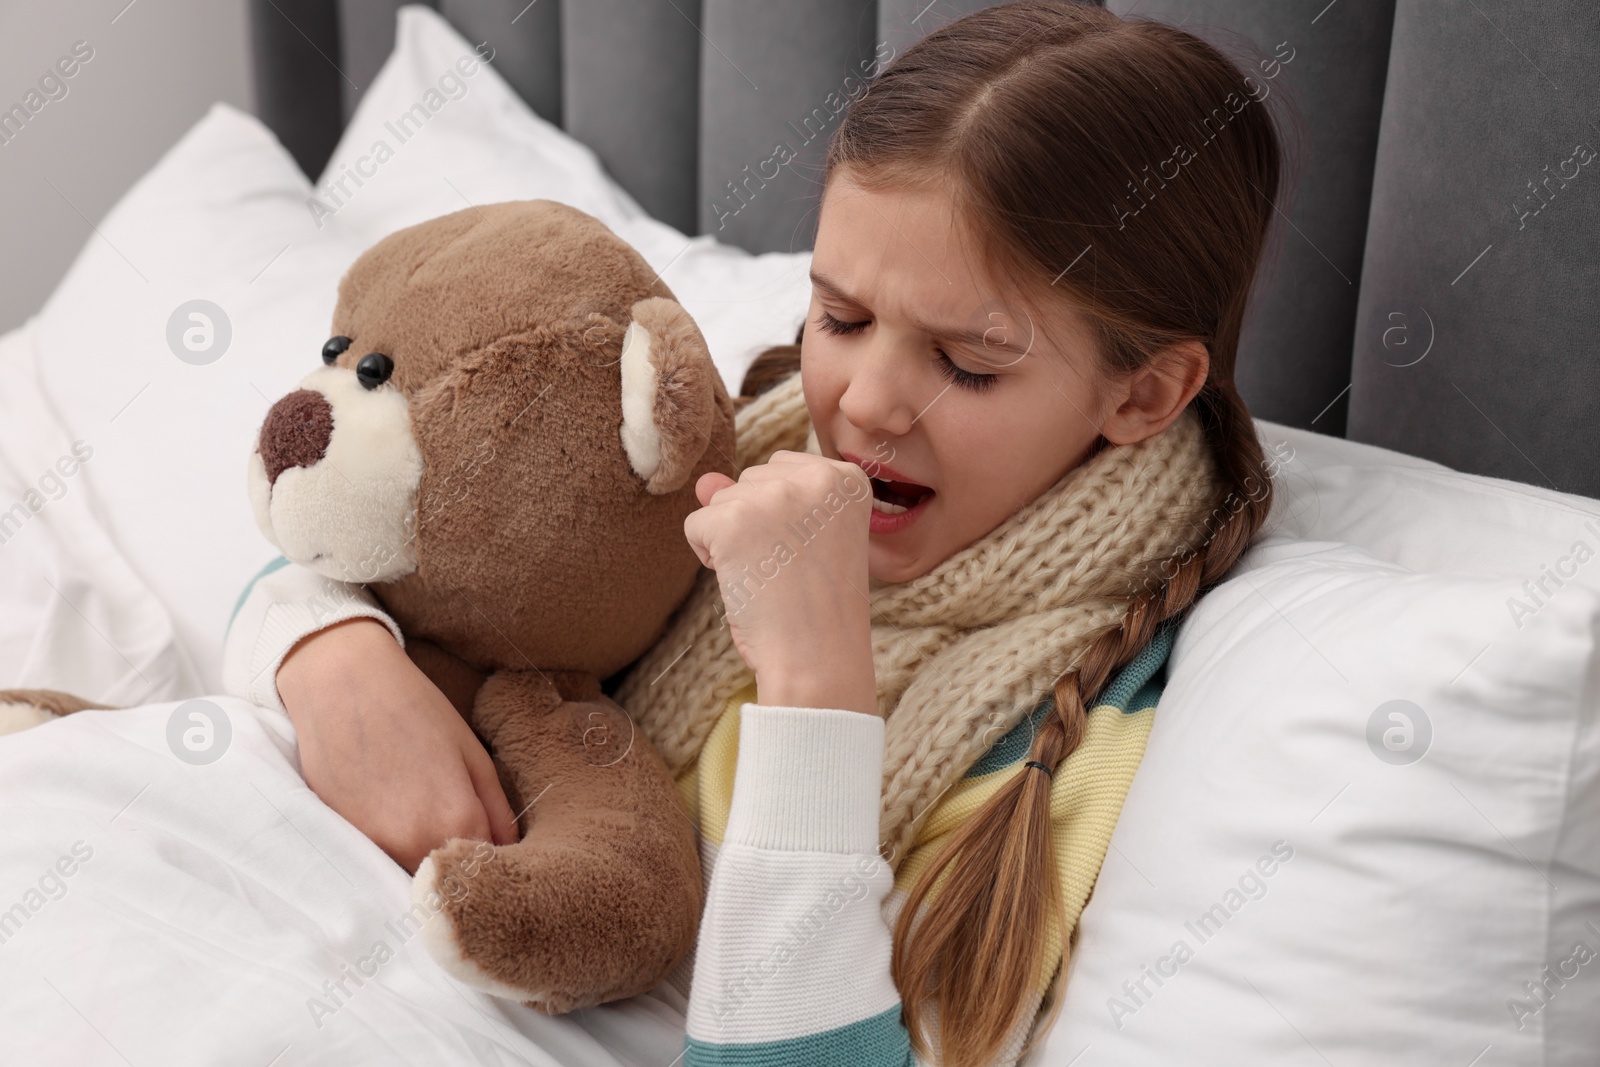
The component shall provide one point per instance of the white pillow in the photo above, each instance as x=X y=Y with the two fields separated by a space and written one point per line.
x=1369 y=812
x=480 y=143
x=1425 y=516
x=221 y=217
x=75 y=615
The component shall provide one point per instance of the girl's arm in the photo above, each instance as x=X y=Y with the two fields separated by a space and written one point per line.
x=378 y=741
x=284 y=604
x=792 y=964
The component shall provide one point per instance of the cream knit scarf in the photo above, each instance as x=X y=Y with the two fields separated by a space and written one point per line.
x=965 y=651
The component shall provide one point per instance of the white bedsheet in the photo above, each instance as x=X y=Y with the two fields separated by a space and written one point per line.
x=207 y=905
x=73 y=614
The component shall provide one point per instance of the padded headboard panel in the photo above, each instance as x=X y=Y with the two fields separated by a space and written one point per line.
x=1294 y=355
x=1424 y=125
x=1484 y=241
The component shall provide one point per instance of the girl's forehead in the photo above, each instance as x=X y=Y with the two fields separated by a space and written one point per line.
x=903 y=252
x=897 y=237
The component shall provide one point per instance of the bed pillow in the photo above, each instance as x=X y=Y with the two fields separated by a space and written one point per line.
x=1366 y=830
x=76 y=616
x=204 y=294
x=439 y=130
x=1425 y=516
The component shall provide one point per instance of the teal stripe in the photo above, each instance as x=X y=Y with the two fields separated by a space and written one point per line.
x=276 y=564
x=1136 y=687
x=1139 y=670
x=881 y=1041
x=1015 y=744
x=1147 y=696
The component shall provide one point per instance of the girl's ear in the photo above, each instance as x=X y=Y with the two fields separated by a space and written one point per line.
x=1153 y=398
x=671 y=392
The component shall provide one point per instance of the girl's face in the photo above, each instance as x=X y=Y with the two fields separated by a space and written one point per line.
x=917 y=368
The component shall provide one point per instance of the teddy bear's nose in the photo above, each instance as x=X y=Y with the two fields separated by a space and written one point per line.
x=296 y=432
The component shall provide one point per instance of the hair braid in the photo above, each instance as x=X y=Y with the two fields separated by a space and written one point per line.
x=996 y=872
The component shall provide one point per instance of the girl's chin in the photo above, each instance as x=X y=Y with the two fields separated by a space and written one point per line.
x=892 y=564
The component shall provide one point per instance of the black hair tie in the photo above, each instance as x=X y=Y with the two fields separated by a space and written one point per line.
x=1042 y=767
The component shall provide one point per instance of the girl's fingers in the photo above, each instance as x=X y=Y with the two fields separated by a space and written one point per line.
x=785 y=459
x=764 y=495
x=696 y=532
x=709 y=484
x=783 y=466
x=486 y=783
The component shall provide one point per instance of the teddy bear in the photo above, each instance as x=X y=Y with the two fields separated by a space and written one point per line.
x=502 y=445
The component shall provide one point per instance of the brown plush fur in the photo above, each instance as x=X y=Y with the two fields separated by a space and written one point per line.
x=555 y=564
x=470 y=307
x=601 y=898
x=544 y=563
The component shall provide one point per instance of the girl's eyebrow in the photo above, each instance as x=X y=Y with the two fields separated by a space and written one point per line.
x=976 y=338
x=832 y=288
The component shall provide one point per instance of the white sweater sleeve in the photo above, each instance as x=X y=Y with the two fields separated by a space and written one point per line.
x=282 y=604
x=792 y=962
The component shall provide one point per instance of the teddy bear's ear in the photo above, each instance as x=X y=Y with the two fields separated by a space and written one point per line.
x=669 y=393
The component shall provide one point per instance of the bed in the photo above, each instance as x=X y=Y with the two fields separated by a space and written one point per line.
x=1370 y=808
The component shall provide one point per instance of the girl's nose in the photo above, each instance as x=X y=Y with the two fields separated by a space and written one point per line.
x=881 y=396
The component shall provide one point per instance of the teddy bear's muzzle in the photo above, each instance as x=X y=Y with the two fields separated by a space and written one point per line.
x=296 y=432
x=334 y=477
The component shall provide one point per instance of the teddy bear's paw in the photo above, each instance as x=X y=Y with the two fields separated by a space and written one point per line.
x=439 y=896
x=22 y=708
x=16 y=716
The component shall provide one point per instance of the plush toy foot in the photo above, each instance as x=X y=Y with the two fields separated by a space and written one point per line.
x=601 y=897
x=555 y=928
x=22 y=708
x=16 y=717
x=430 y=896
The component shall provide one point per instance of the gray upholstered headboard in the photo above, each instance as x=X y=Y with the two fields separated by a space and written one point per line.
x=1435 y=291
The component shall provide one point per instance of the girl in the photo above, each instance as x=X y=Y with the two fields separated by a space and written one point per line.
x=906 y=699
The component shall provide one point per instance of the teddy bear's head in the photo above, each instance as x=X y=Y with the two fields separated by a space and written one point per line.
x=503 y=441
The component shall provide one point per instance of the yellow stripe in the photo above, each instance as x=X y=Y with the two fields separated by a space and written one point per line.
x=708 y=797
x=1086 y=798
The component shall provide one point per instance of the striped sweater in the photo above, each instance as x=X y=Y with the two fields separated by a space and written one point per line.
x=792 y=962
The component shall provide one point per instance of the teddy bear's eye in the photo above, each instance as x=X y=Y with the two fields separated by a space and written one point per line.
x=374 y=369
x=333 y=348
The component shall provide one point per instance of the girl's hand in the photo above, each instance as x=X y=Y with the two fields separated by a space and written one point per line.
x=383 y=747
x=788 y=541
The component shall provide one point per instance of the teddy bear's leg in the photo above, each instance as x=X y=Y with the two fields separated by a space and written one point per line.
x=22 y=708
x=601 y=897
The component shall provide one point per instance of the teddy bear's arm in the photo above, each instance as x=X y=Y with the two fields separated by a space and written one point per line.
x=282 y=604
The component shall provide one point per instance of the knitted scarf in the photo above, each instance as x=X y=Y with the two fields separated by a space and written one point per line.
x=963 y=652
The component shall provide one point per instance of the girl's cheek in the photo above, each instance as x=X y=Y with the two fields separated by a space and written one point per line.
x=823 y=382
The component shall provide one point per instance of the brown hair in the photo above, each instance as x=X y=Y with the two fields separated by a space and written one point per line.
x=1129 y=168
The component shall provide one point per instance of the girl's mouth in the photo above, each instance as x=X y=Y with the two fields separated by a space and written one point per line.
x=897 y=504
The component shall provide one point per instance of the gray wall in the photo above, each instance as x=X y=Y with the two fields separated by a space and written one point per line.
x=157 y=66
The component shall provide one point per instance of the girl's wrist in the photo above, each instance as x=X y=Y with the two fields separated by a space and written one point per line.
x=318 y=661
x=849 y=684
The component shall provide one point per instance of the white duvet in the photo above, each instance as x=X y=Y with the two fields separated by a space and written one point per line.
x=155 y=911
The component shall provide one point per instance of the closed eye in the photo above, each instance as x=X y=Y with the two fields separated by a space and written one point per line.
x=965 y=379
x=828 y=324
